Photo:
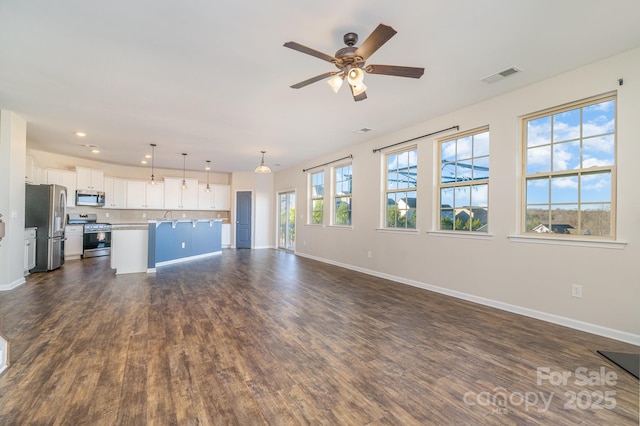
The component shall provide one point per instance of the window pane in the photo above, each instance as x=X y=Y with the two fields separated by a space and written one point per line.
x=481 y=168
x=462 y=197
x=446 y=219
x=537 y=220
x=598 y=119
x=448 y=151
x=539 y=131
x=481 y=144
x=566 y=125
x=318 y=213
x=539 y=159
x=596 y=219
x=446 y=197
x=566 y=156
x=464 y=148
x=448 y=173
x=598 y=151
x=343 y=211
x=479 y=196
x=564 y=189
x=538 y=191
x=595 y=187
x=564 y=219
x=463 y=171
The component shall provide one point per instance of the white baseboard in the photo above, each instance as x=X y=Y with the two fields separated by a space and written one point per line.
x=611 y=333
x=11 y=286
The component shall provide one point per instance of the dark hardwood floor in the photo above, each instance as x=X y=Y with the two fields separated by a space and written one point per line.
x=266 y=337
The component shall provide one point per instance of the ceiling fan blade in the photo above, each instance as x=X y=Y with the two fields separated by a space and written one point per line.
x=412 y=72
x=309 y=51
x=359 y=97
x=377 y=38
x=314 y=79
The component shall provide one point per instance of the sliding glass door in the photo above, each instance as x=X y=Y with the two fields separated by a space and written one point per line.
x=287 y=221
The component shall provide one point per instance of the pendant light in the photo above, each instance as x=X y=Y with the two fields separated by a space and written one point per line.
x=207 y=169
x=184 y=170
x=262 y=168
x=153 y=158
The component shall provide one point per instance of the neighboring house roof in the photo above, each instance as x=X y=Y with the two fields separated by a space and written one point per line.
x=557 y=228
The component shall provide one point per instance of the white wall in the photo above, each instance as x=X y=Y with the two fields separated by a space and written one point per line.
x=529 y=278
x=13 y=134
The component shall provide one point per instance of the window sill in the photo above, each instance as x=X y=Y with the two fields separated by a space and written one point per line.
x=342 y=227
x=467 y=235
x=531 y=239
x=399 y=231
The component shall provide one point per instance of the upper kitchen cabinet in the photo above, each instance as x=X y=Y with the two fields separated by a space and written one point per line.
x=65 y=178
x=218 y=198
x=115 y=193
x=176 y=197
x=89 y=179
x=143 y=195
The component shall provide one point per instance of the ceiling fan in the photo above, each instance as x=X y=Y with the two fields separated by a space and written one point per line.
x=350 y=62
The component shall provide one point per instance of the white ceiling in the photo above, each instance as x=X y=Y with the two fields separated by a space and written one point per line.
x=211 y=78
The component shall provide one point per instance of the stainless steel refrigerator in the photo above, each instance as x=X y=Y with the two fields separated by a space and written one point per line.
x=46 y=209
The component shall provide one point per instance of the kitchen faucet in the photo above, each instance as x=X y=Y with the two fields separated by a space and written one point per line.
x=170 y=214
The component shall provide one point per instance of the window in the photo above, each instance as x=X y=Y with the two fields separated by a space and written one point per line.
x=400 y=191
x=569 y=170
x=317 y=198
x=342 y=195
x=464 y=182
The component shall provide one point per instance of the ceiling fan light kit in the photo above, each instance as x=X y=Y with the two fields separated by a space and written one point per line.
x=351 y=60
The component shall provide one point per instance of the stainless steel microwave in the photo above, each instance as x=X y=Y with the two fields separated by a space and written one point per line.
x=89 y=198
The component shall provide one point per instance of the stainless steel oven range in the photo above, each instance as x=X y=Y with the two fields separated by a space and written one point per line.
x=96 y=237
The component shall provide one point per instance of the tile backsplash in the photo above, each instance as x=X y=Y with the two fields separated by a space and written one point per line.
x=142 y=216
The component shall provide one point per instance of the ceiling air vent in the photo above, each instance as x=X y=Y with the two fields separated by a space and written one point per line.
x=500 y=75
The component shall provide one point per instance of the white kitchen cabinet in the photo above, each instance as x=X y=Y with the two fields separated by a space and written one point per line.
x=176 y=198
x=155 y=196
x=216 y=199
x=73 y=244
x=115 y=193
x=226 y=235
x=65 y=178
x=89 y=179
x=142 y=194
x=29 y=175
x=29 y=249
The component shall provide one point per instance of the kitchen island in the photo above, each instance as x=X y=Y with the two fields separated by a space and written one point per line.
x=142 y=248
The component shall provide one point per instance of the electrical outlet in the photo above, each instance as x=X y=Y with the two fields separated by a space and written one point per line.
x=144 y=215
x=576 y=290
x=184 y=215
x=369 y=254
x=106 y=214
x=183 y=245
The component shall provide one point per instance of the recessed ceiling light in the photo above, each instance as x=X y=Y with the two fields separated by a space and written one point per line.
x=147 y=156
x=81 y=134
x=363 y=130
x=143 y=161
x=95 y=151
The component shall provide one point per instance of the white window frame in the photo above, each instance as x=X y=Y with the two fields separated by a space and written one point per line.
x=577 y=172
x=395 y=191
x=458 y=184
x=335 y=195
x=313 y=199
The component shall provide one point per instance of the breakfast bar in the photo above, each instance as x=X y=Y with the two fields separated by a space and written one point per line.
x=142 y=248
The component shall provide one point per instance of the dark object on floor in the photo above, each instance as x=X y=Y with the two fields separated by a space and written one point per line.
x=628 y=362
